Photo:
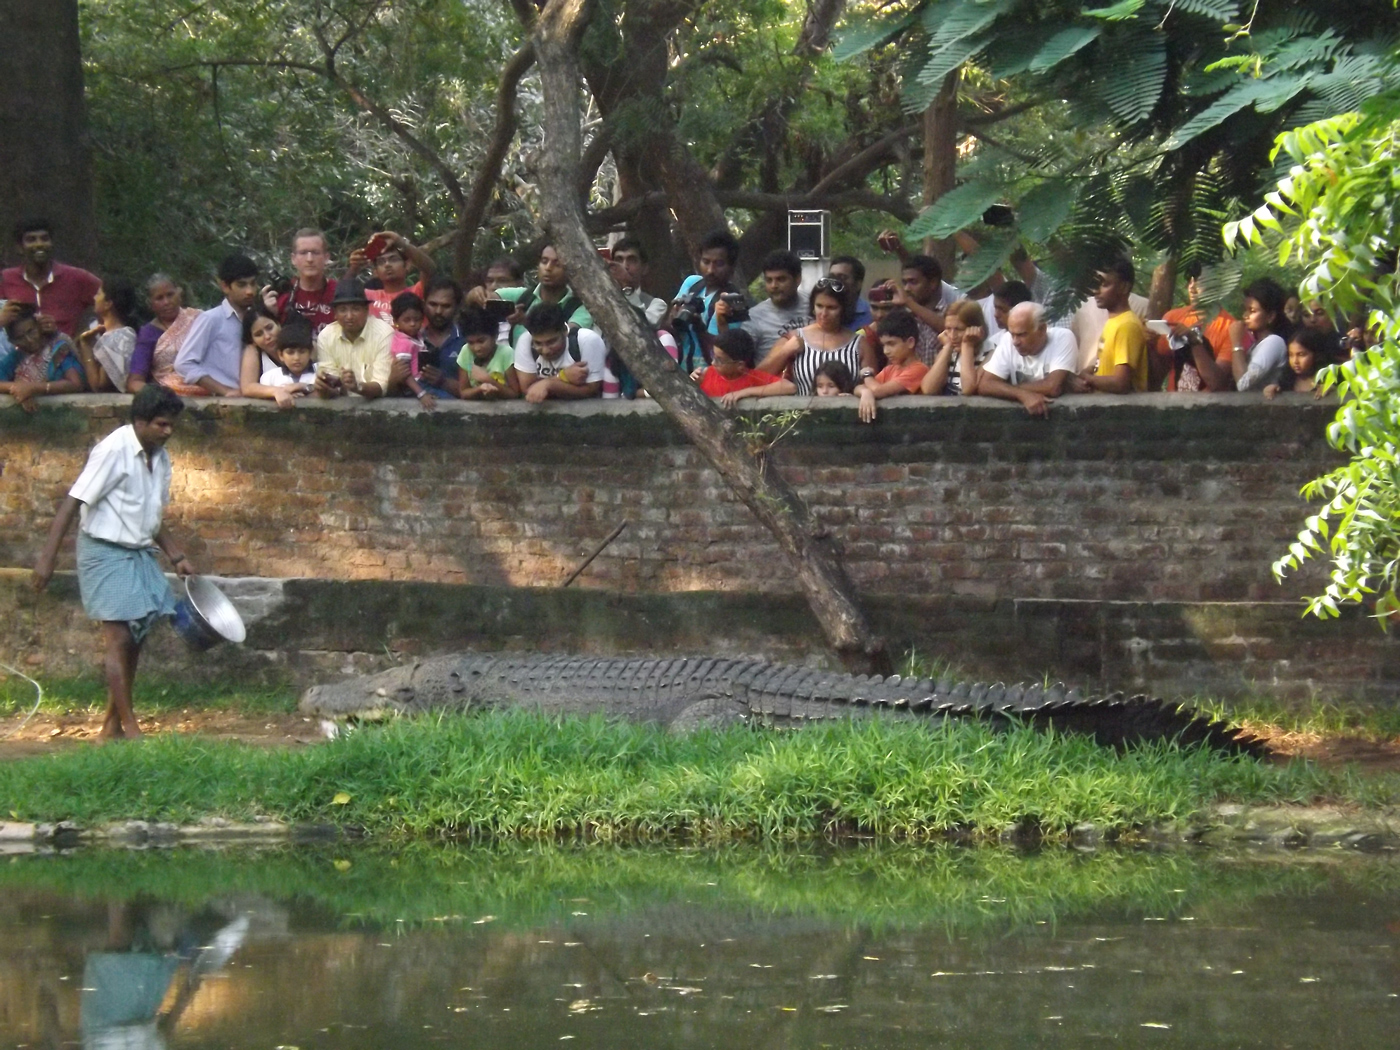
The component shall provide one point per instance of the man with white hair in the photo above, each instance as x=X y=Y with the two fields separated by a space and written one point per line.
x=1031 y=363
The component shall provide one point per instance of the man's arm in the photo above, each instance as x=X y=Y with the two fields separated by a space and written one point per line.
x=62 y=522
x=1119 y=381
x=1035 y=402
x=1052 y=385
x=178 y=561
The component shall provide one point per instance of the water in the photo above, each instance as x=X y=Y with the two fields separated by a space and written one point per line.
x=597 y=947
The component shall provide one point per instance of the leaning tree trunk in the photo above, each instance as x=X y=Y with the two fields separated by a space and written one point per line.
x=47 y=169
x=941 y=159
x=810 y=547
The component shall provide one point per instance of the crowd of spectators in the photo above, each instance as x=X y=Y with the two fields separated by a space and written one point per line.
x=371 y=333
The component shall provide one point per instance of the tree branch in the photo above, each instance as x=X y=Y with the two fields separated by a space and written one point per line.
x=811 y=550
x=473 y=209
x=862 y=162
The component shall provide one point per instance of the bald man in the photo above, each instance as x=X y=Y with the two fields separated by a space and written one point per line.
x=1032 y=363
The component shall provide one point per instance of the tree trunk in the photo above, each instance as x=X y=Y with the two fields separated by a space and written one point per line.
x=810 y=547
x=1163 y=289
x=47 y=167
x=941 y=159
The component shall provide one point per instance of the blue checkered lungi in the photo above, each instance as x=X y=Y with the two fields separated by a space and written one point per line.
x=121 y=584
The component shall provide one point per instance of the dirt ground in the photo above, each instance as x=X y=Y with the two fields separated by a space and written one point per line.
x=47 y=734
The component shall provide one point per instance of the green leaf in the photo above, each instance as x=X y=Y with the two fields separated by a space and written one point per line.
x=988 y=258
x=1063 y=44
x=956 y=38
x=1132 y=81
x=1044 y=209
x=860 y=37
x=1272 y=92
x=956 y=210
x=1220 y=11
x=1011 y=50
x=1119 y=11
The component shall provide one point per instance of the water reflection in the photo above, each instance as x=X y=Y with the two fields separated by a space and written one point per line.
x=516 y=947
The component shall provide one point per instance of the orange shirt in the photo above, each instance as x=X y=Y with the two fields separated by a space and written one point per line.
x=715 y=385
x=908 y=375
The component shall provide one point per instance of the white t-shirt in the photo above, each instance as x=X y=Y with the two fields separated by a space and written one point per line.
x=123 y=501
x=590 y=345
x=1267 y=359
x=1061 y=353
x=278 y=376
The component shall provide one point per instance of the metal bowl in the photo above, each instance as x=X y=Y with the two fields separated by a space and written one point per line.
x=209 y=617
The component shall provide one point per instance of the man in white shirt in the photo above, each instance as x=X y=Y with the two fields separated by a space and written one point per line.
x=120 y=498
x=553 y=359
x=1031 y=363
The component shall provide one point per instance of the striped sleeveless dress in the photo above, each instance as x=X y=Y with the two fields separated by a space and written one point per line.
x=810 y=358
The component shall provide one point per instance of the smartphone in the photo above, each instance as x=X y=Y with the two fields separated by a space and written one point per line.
x=499 y=309
x=377 y=245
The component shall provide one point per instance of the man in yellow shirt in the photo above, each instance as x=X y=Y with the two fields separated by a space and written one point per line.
x=352 y=355
x=1122 y=365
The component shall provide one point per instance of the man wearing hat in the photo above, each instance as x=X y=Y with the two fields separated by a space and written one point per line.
x=352 y=355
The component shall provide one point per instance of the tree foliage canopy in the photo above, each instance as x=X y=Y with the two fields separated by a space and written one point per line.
x=1338 y=210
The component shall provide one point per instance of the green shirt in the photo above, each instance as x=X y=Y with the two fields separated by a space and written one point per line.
x=580 y=316
x=500 y=362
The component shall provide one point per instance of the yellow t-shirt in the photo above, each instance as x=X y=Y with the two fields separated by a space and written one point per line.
x=1124 y=342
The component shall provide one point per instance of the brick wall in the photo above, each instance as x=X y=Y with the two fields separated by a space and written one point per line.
x=1149 y=498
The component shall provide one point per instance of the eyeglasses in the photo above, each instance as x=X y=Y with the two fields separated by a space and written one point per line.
x=309 y=252
x=830 y=284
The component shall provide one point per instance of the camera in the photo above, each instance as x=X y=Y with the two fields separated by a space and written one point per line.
x=690 y=310
x=738 y=308
x=881 y=293
x=280 y=282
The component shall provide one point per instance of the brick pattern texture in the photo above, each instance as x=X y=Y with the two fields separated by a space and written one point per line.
x=1155 y=497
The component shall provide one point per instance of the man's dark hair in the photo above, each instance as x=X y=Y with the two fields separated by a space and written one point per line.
x=404 y=302
x=154 y=400
x=631 y=244
x=121 y=293
x=857 y=267
x=1122 y=268
x=899 y=323
x=545 y=317
x=738 y=344
x=295 y=334
x=721 y=239
x=236 y=268
x=926 y=265
x=476 y=321
x=1013 y=293
x=25 y=312
x=505 y=262
x=1192 y=271
x=32 y=224
x=788 y=262
x=441 y=281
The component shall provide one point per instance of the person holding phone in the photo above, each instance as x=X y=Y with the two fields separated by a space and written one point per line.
x=353 y=354
x=391 y=257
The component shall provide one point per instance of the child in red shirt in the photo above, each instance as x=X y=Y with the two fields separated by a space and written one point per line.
x=732 y=376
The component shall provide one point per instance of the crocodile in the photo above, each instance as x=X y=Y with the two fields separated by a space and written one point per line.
x=689 y=692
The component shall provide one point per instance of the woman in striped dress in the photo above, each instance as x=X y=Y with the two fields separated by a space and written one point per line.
x=828 y=338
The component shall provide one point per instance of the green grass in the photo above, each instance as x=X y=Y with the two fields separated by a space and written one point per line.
x=523 y=775
x=66 y=696
x=1319 y=716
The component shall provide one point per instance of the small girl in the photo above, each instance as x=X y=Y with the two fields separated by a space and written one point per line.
x=294 y=377
x=36 y=365
x=1307 y=353
x=834 y=379
x=408 y=312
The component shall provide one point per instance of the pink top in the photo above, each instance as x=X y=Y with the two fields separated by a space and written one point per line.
x=402 y=344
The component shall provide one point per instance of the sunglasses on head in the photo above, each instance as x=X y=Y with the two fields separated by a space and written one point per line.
x=831 y=284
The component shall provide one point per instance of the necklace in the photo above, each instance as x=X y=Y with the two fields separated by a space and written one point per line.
x=825 y=334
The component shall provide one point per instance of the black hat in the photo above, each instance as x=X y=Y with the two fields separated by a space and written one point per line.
x=349 y=291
